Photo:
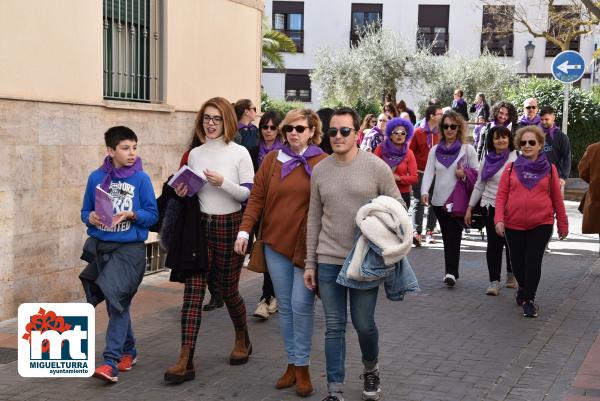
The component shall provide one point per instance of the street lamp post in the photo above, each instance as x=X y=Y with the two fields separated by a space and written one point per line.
x=529 y=48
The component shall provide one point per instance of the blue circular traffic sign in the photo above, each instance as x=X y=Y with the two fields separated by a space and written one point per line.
x=568 y=66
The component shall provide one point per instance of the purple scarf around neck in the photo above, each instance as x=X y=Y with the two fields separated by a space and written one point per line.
x=550 y=131
x=531 y=172
x=447 y=155
x=263 y=149
x=524 y=121
x=493 y=163
x=297 y=160
x=121 y=172
x=391 y=153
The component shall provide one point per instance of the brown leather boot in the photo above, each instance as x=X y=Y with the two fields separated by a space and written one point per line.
x=183 y=370
x=242 y=349
x=304 y=387
x=288 y=379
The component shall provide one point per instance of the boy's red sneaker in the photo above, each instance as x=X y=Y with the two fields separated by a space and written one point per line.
x=126 y=363
x=107 y=372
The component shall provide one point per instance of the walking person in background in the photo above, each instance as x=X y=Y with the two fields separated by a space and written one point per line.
x=423 y=140
x=395 y=152
x=227 y=168
x=500 y=144
x=369 y=122
x=589 y=171
x=374 y=136
x=477 y=131
x=247 y=134
x=270 y=140
x=557 y=146
x=480 y=107
x=530 y=113
x=446 y=164
x=528 y=199
x=281 y=194
x=403 y=108
x=389 y=109
x=503 y=113
x=459 y=105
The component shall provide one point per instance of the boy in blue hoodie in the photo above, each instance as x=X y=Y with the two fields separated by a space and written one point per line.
x=116 y=254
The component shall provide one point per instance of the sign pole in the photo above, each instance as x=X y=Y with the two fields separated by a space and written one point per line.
x=565 y=117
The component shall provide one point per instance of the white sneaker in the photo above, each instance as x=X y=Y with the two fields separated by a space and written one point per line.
x=262 y=310
x=429 y=237
x=493 y=289
x=450 y=280
x=273 y=306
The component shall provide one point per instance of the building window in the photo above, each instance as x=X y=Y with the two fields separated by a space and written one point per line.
x=132 y=51
x=556 y=15
x=364 y=15
x=497 y=33
x=288 y=18
x=297 y=87
x=433 y=28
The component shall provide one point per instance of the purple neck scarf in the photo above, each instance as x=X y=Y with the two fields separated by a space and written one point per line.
x=447 y=155
x=391 y=153
x=121 y=172
x=429 y=133
x=550 y=131
x=243 y=126
x=493 y=163
x=263 y=149
x=531 y=172
x=524 y=121
x=297 y=160
x=460 y=100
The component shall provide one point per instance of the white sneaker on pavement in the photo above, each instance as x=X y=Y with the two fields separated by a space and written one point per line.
x=493 y=289
x=273 y=306
x=262 y=310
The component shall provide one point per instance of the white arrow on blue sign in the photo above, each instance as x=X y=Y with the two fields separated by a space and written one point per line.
x=568 y=66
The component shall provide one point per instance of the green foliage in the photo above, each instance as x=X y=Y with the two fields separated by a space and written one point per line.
x=281 y=106
x=584 y=111
x=362 y=107
x=273 y=44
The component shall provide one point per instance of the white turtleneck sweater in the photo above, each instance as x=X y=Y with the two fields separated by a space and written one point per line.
x=234 y=163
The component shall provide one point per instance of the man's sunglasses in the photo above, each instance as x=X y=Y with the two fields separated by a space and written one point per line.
x=531 y=142
x=345 y=131
x=403 y=133
x=531 y=107
x=289 y=128
x=269 y=127
x=451 y=126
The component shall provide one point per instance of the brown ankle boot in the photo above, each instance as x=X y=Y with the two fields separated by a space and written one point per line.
x=242 y=348
x=183 y=370
x=304 y=387
x=288 y=379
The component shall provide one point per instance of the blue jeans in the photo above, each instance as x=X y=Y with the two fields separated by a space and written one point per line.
x=119 y=335
x=362 y=312
x=296 y=307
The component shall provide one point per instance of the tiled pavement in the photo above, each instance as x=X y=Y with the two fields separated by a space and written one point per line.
x=443 y=344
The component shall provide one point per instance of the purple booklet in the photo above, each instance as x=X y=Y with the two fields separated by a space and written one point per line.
x=186 y=176
x=104 y=206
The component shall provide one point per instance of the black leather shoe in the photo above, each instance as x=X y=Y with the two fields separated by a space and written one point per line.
x=213 y=304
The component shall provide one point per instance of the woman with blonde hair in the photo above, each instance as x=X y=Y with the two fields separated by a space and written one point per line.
x=227 y=169
x=281 y=195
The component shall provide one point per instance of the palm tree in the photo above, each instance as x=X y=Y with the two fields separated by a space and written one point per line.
x=273 y=44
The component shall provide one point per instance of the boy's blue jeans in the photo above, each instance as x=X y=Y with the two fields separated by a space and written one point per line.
x=362 y=311
x=119 y=335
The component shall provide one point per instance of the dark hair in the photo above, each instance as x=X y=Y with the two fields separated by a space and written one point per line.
x=401 y=106
x=391 y=107
x=547 y=110
x=115 y=135
x=459 y=92
x=431 y=110
x=341 y=111
x=513 y=115
x=273 y=116
x=482 y=96
x=500 y=131
x=434 y=101
x=241 y=106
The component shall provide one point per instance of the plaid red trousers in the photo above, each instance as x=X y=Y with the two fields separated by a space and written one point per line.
x=221 y=233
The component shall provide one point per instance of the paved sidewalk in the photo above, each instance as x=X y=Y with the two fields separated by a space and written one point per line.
x=443 y=344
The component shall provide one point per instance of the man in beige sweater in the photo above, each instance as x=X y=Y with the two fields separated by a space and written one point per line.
x=340 y=185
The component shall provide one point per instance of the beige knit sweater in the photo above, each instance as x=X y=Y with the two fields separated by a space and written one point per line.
x=338 y=190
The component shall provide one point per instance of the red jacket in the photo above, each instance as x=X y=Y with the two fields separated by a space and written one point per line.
x=523 y=209
x=406 y=170
x=418 y=144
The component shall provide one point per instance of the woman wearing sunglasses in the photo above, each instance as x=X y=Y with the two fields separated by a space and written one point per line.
x=500 y=145
x=446 y=163
x=281 y=194
x=528 y=199
x=270 y=139
x=369 y=122
x=374 y=136
x=227 y=169
x=395 y=152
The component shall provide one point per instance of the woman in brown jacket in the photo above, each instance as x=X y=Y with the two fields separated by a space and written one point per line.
x=589 y=171
x=281 y=193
